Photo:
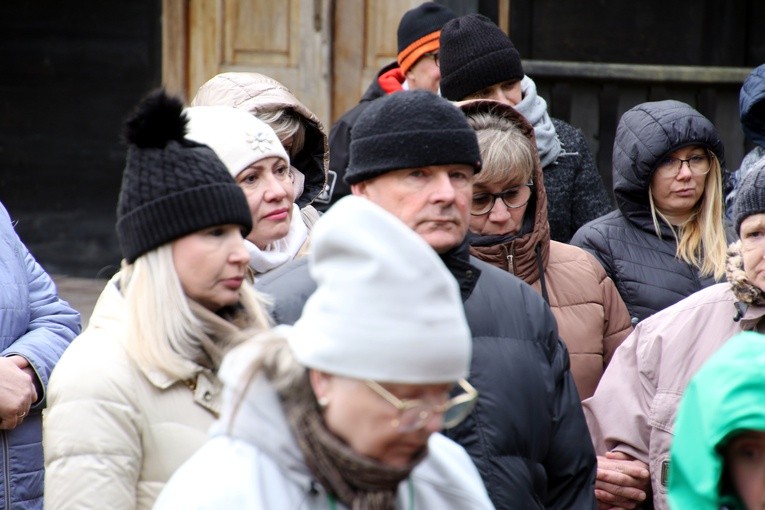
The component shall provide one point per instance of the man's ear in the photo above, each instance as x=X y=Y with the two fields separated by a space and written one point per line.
x=359 y=189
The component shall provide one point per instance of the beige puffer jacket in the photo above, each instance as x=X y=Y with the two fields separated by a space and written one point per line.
x=592 y=318
x=113 y=433
x=254 y=93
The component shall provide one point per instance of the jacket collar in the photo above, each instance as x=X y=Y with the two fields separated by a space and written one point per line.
x=109 y=314
x=457 y=260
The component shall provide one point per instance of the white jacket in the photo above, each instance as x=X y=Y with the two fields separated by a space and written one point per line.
x=113 y=433
x=253 y=462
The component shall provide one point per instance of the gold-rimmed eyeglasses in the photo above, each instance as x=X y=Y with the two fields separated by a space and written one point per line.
x=514 y=197
x=414 y=414
x=699 y=164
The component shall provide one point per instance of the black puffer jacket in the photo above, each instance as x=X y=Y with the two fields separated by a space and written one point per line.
x=647 y=274
x=527 y=435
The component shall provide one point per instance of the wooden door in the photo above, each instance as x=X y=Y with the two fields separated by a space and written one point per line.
x=364 y=40
x=288 y=40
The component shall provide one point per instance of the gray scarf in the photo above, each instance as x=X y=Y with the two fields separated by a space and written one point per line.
x=534 y=108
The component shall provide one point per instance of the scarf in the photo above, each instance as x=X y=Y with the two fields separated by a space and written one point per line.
x=358 y=482
x=744 y=290
x=282 y=250
x=534 y=108
x=221 y=331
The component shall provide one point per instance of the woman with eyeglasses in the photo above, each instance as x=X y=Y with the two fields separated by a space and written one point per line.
x=341 y=409
x=667 y=239
x=509 y=229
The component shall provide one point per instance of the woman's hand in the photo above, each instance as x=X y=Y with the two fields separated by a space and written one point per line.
x=622 y=482
x=17 y=391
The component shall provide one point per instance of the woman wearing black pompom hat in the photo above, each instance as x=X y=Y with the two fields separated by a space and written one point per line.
x=134 y=396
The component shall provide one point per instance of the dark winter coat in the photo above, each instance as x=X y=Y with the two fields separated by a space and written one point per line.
x=644 y=267
x=340 y=136
x=575 y=191
x=527 y=435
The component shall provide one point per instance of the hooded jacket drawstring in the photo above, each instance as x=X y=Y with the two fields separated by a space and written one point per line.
x=542 y=285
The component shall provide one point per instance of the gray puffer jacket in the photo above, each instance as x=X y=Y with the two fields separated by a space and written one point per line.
x=644 y=267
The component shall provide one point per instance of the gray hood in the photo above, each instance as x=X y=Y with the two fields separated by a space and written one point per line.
x=647 y=133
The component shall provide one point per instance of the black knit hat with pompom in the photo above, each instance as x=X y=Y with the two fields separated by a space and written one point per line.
x=171 y=186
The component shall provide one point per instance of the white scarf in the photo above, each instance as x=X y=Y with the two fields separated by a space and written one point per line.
x=282 y=250
x=534 y=108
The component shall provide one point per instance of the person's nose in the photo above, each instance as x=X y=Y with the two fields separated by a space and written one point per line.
x=239 y=254
x=499 y=96
x=499 y=211
x=442 y=188
x=274 y=190
x=434 y=423
x=685 y=170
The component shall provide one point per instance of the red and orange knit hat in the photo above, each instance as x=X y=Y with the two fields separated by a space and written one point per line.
x=419 y=31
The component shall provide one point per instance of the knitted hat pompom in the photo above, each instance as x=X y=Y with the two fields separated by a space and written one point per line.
x=156 y=121
x=171 y=186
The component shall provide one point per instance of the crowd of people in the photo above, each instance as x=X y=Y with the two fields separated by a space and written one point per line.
x=435 y=305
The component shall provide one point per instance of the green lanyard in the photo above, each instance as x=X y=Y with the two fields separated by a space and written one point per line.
x=333 y=504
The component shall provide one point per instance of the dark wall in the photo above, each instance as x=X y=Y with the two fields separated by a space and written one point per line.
x=71 y=72
x=703 y=34
x=676 y=32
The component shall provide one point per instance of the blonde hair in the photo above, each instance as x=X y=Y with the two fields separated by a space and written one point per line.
x=701 y=241
x=286 y=123
x=163 y=332
x=504 y=149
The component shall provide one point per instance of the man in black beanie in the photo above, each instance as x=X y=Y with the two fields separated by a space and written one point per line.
x=414 y=154
x=415 y=68
x=479 y=61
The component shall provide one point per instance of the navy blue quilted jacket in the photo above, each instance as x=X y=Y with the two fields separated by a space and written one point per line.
x=37 y=325
x=643 y=265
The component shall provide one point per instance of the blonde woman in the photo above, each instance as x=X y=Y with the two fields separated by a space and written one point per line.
x=133 y=396
x=667 y=239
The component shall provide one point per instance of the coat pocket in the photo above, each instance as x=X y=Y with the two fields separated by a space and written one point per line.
x=661 y=421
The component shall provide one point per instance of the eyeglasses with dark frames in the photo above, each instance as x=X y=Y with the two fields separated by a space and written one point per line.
x=414 y=414
x=514 y=197
x=699 y=164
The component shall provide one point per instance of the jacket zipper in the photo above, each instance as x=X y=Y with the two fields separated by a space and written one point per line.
x=6 y=470
x=509 y=257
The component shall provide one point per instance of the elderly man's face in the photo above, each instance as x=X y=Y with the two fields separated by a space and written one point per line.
x=752 y=233
x=434 y=201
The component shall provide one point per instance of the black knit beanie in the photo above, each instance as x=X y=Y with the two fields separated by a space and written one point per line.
x=750 y=197
x=410 y=129
x=475 y=53
x=171 y=186
x=418 y=32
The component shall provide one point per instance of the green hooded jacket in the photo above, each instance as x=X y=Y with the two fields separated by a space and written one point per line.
x=726 y=395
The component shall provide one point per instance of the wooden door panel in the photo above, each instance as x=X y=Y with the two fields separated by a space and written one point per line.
x=287 y=40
